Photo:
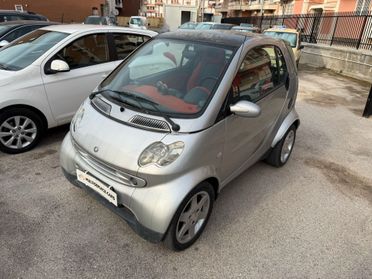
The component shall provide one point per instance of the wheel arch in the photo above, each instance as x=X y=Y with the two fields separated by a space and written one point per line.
x=31 y=108
x=215 y=184
x=291 y=119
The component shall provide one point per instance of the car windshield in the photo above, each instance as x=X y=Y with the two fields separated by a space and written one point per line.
x=188 y=25
x=204 y=26
x=5 y=28
x=222 y=26
x=93 y=20
x=172 y=77
x=24 y=51
x=291 y=38
x=136 y=21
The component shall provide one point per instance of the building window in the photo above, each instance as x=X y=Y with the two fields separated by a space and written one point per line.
x=119 y=3
x=362 y=6
x=18 y=8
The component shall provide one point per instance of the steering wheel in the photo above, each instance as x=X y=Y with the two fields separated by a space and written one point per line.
x=162 y=87
x=207 y=78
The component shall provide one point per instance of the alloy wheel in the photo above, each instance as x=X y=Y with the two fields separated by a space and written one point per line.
x=18 y=132
x=287 y=146
x=193 y=216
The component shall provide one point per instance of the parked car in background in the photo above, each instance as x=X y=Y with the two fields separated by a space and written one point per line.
x=100 y=20
x=204 y=25
x=6 y=15
x=188 y=25
x=246 y=29
x=157 y=146
x=11 y=30
x=292 y=36
x=138 y=22
x=46 y=74
x=222 y=26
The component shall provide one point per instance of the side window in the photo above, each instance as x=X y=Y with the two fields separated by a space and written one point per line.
x=86 y=51
x=254 y=78
x=282 y=68
x=126 y=43
x=262 y=70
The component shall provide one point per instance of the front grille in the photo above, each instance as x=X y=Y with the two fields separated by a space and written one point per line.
x=108 y=170
x=150 y=123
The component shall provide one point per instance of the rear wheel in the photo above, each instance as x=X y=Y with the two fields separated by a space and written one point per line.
x=20 y=130
x=280 y=154
x=191 y=218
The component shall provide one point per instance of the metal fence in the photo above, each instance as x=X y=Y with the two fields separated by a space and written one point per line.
x=343 y=29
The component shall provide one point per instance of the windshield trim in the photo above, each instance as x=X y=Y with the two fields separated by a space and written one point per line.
x=174 y=114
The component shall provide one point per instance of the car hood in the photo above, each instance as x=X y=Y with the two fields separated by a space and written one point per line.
x=111 y=141
x=6 y=77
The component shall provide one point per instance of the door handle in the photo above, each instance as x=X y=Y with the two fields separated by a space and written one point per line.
x=287 y=83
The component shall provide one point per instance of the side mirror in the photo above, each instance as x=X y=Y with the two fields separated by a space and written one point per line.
x=58 y=66
x=301 y=47
x=4 y=43
x=245 y=109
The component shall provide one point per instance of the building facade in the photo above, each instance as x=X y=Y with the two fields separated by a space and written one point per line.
x=201 y=8
x=238 y=8
x=68 y=11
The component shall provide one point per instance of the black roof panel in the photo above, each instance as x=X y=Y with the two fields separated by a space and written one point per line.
x=220 y=37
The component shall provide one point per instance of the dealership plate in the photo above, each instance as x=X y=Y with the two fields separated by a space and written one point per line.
x=97 y=186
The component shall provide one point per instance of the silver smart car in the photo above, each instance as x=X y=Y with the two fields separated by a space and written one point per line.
x=178 y=120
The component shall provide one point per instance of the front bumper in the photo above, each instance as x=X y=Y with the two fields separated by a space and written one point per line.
x=149 y=209
x=121 y=210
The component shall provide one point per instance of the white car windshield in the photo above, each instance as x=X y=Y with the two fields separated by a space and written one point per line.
x=289 y=37
x=175 y=77
x=24 y=51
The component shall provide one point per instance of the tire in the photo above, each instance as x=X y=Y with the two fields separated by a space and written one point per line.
x=275 y=157
x=174 y=239
x=20 y=130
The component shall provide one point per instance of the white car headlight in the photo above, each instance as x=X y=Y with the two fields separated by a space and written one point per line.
x=77 y=117
x=161 y=154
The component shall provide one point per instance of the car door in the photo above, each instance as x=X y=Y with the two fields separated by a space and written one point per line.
x=261 y=79
x=89 y=60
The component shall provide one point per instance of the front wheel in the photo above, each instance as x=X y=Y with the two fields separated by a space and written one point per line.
x=191 y=218
x=20 y=130
x=280 y=154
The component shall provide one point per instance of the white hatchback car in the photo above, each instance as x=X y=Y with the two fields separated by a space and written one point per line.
x=45 y=76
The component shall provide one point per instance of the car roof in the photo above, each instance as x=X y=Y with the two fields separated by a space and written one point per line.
x=75 y=28
x=28 y=22
x=19 y=12
x=221 y=37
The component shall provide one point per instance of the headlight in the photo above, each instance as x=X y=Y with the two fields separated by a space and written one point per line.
x=77 y=117
x=161 y=154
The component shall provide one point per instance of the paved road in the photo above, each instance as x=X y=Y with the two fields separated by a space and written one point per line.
x=310 y=219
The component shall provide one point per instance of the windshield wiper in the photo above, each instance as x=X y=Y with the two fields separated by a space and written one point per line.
x=4 y=67
x=175 y=127
x=118 y=98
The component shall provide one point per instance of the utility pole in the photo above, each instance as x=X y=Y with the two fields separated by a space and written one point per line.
x=203 y=3
x=262 y=7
